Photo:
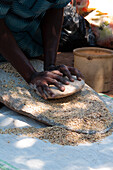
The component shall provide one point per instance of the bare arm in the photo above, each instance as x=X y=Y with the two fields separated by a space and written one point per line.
x=51 y=30
x=10 y=50
x=51 y=33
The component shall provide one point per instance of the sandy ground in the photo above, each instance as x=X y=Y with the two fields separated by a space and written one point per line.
x=27 y=153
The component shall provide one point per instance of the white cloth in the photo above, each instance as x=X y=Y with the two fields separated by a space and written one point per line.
x=27 y=153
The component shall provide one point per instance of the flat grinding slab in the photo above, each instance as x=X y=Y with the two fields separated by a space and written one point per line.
x=82 y=112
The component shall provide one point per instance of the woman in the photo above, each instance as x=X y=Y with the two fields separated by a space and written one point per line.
x=30 y=29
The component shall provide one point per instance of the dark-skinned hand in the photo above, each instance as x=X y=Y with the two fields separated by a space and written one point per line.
x=41 y=81
x=67 y=71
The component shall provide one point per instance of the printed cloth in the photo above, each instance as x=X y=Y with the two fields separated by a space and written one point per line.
x=23 y=18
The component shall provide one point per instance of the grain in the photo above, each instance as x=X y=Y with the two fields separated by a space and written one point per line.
x=57 y=135
x=81 y=111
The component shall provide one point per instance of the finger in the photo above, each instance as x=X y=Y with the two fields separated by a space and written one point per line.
x=57 y=72
x=80 y=75
x=61 y=79
x=57 y=84
x=58 y=77
x=41 y=92
x=67 y=73
x=48 y=91
x=76 y=72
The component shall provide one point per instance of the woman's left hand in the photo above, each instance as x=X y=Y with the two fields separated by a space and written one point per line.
x=67 y=71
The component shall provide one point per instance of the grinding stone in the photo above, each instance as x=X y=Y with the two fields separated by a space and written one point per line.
x=70 y=89
x=81 y=111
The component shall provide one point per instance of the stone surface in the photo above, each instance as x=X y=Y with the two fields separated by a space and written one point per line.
x=70 y=89
x=82 y=111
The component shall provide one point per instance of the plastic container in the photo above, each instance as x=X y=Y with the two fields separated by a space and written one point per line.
x=96 y=66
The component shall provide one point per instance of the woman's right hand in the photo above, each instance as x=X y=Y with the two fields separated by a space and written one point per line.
x=40 y=82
